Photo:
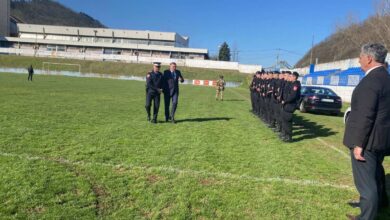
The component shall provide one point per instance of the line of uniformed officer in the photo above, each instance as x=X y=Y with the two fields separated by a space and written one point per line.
x=274 y=98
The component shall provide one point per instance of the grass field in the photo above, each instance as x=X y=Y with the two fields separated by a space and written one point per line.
x=118 y=68
x=82 y=148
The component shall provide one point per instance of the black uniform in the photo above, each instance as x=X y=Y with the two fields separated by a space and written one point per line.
x=252 y=92
x=282 y=84
x=292 y=94
x=267 y=99
x=153 y=91
x=263 y=107
x=276 y=103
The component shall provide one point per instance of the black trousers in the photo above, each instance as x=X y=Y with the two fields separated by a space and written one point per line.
x=253 y=101
x=156 y=104
x=263 y=108
x=369 y=178
x=260 y=103
x=276 y=113
x=167 y=100
x=279 y=119
x=30 y=76
x=287 y=123
x=268 y=109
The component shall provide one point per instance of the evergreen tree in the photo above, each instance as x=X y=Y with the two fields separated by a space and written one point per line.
x=224 y=52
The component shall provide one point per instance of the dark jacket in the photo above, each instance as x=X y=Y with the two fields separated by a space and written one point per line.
x=368 y=124
x=292 y=94
x=153 y=82
x=171 y=84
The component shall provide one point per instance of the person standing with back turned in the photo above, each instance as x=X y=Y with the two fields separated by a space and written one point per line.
x=30 y=73
x=367 y=131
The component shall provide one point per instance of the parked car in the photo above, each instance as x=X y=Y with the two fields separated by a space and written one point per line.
x=346 y=114
x=319 y=99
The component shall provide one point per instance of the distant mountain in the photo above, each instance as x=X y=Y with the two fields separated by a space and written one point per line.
x=346 y=42
x=50 y=13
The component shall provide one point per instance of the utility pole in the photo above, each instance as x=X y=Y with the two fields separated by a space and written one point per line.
x=277 y=58
x=311 y=51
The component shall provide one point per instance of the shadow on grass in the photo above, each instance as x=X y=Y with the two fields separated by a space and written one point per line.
x=305 y=129
x=203 y=119
x=324 y=113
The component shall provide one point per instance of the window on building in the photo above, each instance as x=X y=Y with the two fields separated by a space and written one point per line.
x=112 y=51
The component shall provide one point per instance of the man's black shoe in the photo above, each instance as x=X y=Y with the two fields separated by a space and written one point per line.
x=354 y=204
x=154 y=121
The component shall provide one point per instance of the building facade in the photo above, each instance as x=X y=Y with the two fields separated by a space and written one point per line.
x=101 y=41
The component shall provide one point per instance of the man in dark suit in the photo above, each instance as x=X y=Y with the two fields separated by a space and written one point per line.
x=171 y=90
x=30 y=70
x=367 y=131
x=153 y=91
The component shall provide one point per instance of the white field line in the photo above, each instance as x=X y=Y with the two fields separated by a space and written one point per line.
x=334 y=148
x=195 y=173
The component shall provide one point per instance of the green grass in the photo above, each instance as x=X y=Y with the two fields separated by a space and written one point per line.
x=81 y=148
x=118 y=68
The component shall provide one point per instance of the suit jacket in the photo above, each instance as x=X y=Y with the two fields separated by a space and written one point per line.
x=171 y=85
x=368 y=125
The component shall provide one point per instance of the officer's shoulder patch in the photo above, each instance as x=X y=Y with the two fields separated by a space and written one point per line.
x=148 y=76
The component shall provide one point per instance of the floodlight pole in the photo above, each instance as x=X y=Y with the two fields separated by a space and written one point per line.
x=311 y=51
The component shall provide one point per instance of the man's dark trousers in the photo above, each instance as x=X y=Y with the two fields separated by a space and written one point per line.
x=156 y=104
x=369 y=180
x=167 y=100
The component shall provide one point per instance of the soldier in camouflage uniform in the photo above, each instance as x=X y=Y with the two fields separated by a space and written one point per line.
x=220 y=88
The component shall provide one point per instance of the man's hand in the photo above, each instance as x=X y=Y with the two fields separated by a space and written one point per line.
x=357 y=152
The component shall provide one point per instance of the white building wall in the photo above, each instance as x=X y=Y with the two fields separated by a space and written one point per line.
x=208 y=64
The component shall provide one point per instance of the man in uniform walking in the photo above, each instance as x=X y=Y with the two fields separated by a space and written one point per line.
x=367 y=131
x=291 y=95
x=171 y=79
x=220 y=88
x=153 y=91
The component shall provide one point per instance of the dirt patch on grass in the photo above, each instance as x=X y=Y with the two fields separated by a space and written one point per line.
x=37 y=210
x=154 y=178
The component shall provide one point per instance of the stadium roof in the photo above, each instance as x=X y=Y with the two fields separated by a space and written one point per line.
x=99 y=32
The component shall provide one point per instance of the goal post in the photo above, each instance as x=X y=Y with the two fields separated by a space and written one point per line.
x=49 y=67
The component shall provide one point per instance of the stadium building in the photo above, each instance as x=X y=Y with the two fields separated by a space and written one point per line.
x=14 y=34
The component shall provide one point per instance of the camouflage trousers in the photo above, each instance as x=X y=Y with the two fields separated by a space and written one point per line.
x=219 y=94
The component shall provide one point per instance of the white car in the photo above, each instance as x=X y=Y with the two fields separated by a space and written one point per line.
x=346 y=114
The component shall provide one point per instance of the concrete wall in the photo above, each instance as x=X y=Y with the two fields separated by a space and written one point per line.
x=208 y=64
x=5 y=7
